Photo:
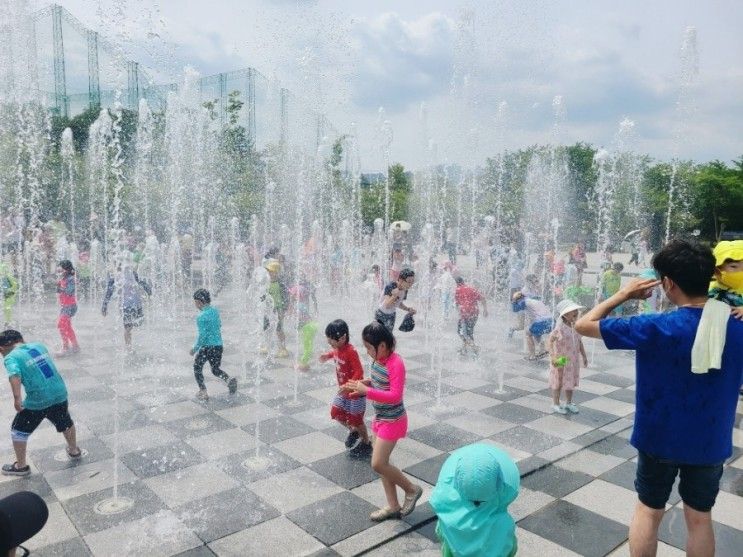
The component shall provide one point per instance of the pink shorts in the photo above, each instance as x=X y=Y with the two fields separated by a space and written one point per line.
x=391 y=431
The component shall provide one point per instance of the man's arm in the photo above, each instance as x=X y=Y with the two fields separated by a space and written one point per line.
x=636 y=289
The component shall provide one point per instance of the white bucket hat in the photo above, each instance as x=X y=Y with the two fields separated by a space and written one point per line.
x=566 y=306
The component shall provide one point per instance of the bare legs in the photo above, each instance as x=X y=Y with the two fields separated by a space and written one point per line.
x=392 y=477
x=643 y=532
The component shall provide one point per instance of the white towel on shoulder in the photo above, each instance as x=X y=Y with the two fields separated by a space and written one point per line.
x=709 y=342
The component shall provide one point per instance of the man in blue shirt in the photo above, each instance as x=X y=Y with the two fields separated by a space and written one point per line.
x=683 y=420
x=30 y=365
x=208 y=346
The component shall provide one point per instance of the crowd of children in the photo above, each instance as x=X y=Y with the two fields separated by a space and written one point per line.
x=476 y=483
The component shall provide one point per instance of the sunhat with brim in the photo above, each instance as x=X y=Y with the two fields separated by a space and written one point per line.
x=474 y=488
x=728 y=249
x=566 y=306
x=22 y=516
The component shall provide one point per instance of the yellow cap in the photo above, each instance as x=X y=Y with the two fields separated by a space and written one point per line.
x=273 y=266
x=725 y=250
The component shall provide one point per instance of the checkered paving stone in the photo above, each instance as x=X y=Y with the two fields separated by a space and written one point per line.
x=265 y=471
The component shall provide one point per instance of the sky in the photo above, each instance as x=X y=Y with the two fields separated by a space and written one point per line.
x=459 y=81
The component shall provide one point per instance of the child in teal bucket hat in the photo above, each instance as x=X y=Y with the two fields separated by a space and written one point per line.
x=475 y=486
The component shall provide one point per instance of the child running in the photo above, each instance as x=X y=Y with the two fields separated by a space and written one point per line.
x=391 y=421
x=466 y=298
x=347 y=408
x=565 y=346
x=68 y=307
x=208 y=346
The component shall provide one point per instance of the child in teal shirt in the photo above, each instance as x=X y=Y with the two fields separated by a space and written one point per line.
x=208 y=346
x=30 y=365
x=471 y=497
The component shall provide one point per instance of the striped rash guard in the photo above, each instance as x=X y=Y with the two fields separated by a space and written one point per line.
x=387 y=386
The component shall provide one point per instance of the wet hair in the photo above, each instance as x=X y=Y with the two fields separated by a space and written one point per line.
x=10 y=336
x=202 y=295
x=375 y=333
x=336 y=329
x=689 y=265
x=375 y=268
x=459 y=280
x=618 y=267
x=406 y=273
x=66 y=266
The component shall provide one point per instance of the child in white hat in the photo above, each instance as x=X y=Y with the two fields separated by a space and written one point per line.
x=565 y=347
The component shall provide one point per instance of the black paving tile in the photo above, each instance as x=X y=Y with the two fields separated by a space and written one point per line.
x=335 y=518
x=576 y=528
x=344 y=470
x=728 y=541
x=443 y=436
x=556 y=481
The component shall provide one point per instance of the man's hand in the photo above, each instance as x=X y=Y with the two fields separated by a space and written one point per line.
x=638 y=289
x=18 y=405
x=737 y=312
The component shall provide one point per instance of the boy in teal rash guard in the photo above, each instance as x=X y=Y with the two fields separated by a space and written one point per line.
x=30 y=365
x=471 y=497
x=208 y=346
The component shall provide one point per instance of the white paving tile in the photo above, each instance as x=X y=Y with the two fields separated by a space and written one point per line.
x=532 y=545
x=247 y=414
x=187 y=484
x=480 y=424
x=605 y=499
x=223 y=443
x=58 y=528
x=87 y=478
x=590 y=462
x=311 y=447
x=528 y=502
x=554 y=424
x=299 y=487
x=264 y=539
x=157 y=535
x=728 y=510
x=604 y=404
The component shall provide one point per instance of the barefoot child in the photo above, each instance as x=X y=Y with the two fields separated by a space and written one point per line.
x=348 y=408
x=68 y=307
x=208 y=346
x=390 y=422
x=466 y=298
x=565 y=347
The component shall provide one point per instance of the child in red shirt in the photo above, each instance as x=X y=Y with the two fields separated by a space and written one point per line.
x=466 y=298
x=347 y=408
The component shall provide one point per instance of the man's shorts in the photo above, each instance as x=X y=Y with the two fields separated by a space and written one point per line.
x=698 y=485
x=26 y=421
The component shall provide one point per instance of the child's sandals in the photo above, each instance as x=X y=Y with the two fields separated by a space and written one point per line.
x=384 y=513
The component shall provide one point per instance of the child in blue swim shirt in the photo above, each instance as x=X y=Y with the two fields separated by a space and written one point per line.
x=471 y=497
